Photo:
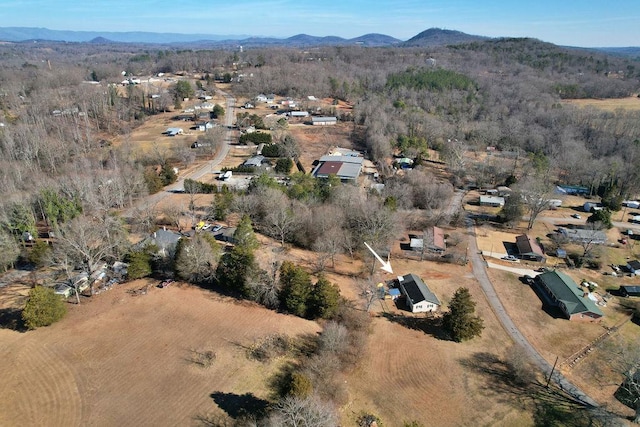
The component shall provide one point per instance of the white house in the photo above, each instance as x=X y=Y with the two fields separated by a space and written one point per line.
x=494 y=201
x=323 y=121
x=418 y=296
x=204 y=126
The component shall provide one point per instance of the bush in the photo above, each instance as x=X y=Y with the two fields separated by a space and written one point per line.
x=299 y=385
x=284 y=165
x=271 y=150
x=43 y=308
x=255 y=138
x=196 y=187
x=139 y=264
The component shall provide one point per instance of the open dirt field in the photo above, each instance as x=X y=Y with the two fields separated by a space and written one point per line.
x=630 y=103
x=407 y=371
x=119 y=359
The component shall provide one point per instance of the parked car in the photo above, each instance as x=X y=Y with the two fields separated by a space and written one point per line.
x=510 y=258
x=576 y=216
x=528 y=279
x=216 y=228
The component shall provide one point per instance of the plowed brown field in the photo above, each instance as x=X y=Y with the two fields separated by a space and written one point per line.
x=122 y=360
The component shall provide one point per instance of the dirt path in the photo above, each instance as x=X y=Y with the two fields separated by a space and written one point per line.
x=480 y=272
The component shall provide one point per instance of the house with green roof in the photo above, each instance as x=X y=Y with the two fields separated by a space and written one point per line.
x=565 y=294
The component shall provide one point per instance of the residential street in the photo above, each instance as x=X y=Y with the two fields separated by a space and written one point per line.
x=480 y=272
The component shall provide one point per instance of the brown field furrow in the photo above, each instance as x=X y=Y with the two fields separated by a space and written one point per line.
x=47 y=394
x=123 y=360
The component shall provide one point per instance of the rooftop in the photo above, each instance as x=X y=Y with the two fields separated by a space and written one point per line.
x=567 y=291
x=416 y=290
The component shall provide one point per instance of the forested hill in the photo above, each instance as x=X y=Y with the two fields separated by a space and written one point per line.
x=440 y=37
x=573 y=70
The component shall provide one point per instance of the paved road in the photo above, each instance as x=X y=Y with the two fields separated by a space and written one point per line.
x=480 y=272
x=513 y=269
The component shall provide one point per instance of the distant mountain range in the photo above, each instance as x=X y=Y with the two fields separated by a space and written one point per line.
x=430 y=37
x=23 y=34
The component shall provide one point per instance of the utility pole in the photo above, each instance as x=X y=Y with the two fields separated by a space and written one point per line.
x=551 y=373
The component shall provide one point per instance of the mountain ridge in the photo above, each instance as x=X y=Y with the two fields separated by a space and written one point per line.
x=429 y=37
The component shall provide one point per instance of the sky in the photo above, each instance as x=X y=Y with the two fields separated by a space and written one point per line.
x=584 y=23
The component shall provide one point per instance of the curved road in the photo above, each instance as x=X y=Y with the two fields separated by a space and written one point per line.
x=480 y=272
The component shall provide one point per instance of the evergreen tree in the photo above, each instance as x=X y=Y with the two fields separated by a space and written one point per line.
x=295 y=288
x=244 y=236
x=459 y=321
x=139 y=264
x=601 y=216
x=513 y=209
x=324 y=300
x=43 y=308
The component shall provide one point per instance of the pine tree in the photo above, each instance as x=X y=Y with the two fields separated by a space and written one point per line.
x=43 y=308
x=295 y=288
x=244 y=236
x=324 y=300
x=459 y=321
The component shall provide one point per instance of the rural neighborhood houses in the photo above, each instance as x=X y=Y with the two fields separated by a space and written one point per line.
x=165 y=240
x=345 y=167
x=419 y=297
x=174 y=131
x=529 y=249
x=493 y=201
x=583 y=235
x=323 y=121
x=565 y=294
x=634 y=267
x=432 y=240
x=629 y=291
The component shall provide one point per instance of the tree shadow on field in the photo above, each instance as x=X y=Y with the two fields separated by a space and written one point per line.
x=549 y=406
x=240 y=405
x=11 y=318
x=429 y=325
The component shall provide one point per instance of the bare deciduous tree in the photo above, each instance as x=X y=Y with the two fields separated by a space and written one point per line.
x=309 y=412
